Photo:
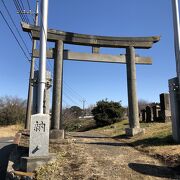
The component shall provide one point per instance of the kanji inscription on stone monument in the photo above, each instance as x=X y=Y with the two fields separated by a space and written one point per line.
x=39 y=135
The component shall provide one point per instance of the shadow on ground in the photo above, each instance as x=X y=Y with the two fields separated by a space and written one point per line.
x=91 y=137
x=105 y=143
x=154 y=170
x=4 y=159
x=156 y=141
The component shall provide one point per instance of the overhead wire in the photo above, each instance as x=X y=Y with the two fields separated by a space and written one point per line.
x=71 y=99
x=28 y=5
x=30 y=11
x=15 y=25
x=75 y=93
x=20 y=11
x=22 y=8
x=14 y=36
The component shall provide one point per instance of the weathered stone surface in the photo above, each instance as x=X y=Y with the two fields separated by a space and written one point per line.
x=76 y=56
x=156 y=110
x=165 y=107
x=143 y=115
x=165 y=101
x=134 y=131
x=133 y=113
x=47 y=93
x=57 y=134
x=29 y=164
x=39 y=135
x=91 y=40
x=149 y=114
x=175 y=108
x=56 y=122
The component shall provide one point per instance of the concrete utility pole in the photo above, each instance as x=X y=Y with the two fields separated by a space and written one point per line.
x=83 y=107
x=42 y=62
x=175 y=8
x=174 y=83
x=31 y=76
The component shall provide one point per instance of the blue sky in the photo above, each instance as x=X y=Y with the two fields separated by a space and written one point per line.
x=96 y=81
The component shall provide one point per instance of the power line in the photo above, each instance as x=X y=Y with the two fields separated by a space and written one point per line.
x=71 y=99
x=14 y=36
x=30 y=11
x=19 y=9
x=22 y=15
x=15 y=26
x=73 y=91
x=23 y=9
x=28 y=5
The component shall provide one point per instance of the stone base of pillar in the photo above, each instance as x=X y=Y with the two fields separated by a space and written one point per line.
x=29 y=164
x=134 y=131
x=57 y=134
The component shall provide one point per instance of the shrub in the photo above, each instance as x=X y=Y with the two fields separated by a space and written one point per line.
x=106 y=113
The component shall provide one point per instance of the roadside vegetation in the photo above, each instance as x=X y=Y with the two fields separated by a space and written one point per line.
x=12 y=110
x=12 y=115
x=104 y=112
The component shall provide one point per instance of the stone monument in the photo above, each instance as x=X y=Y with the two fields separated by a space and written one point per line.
x=149 y=114
x=165 y=107
x=39 y=143
x=156 y=112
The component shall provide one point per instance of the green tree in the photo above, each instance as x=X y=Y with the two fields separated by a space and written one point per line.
x=107 y=112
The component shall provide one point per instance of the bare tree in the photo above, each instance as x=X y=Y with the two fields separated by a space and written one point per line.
x=12 y=110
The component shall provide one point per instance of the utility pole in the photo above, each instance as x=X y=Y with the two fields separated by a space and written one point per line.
x=175 y=8
x=174 y=84
x=31 y=76
x=42 y=61
x=83 y=107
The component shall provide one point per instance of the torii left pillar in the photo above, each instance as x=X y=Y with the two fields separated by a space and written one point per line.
x=133 y=113
x=57 y=130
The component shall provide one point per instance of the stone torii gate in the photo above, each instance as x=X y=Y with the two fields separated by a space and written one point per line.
x=96 y=42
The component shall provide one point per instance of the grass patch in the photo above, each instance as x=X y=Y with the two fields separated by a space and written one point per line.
x=80 y=125
x=114 y=129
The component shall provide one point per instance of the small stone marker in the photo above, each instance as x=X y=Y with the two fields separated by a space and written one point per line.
x=143 y=112
x=39 y=135
x=149 y=117
x=165 y=107
x=156 y=111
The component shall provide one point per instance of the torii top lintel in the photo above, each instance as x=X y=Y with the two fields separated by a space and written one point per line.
x=91 y=40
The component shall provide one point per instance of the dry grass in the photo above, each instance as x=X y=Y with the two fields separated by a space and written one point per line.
x=10 y=131
x=157 y=140
x=70 y=163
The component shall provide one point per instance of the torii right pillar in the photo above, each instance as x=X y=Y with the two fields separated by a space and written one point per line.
x=133 y=114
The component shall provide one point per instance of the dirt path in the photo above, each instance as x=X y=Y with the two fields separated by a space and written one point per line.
x=110 y=159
